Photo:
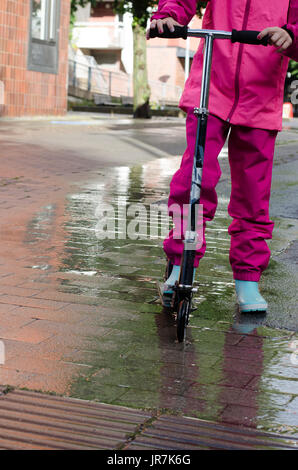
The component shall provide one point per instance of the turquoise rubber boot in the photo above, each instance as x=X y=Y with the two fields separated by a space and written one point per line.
x=249 y=297
x=168 y=291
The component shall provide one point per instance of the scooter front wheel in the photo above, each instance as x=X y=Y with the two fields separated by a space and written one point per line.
x=182 y=319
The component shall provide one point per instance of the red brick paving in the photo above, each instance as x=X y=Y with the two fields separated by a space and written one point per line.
x=36 y=319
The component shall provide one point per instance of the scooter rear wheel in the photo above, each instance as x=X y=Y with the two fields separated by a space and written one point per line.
x=182 y=319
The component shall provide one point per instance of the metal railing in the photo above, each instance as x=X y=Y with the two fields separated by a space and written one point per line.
x=108 y=83
x=99 y=80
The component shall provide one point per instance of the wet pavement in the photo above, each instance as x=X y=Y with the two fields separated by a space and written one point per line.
x=80 y=316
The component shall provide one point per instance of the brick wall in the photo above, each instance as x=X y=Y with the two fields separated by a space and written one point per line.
x=26 y=92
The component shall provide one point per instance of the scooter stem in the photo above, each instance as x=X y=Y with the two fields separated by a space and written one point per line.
x=191 y=234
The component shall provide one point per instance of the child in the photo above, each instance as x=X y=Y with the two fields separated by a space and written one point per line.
x=246 y=97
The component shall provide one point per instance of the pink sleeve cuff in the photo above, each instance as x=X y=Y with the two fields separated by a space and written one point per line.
x=182 y=12
x=292 y=51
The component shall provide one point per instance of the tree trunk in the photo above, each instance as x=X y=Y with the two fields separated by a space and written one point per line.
x=141 y=89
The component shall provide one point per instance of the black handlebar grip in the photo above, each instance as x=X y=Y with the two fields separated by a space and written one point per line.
x=179 y=32
x=249 y=37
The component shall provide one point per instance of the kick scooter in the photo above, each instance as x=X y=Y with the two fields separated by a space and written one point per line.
x=181 y=301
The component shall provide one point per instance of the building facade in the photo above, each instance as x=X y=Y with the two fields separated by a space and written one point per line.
x=106 y=37
x=33 y=57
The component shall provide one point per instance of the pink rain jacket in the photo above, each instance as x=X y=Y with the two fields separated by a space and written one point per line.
x=247 y=81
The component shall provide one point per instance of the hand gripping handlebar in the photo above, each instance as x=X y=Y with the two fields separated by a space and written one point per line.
x=244 y=37
x=249 y=37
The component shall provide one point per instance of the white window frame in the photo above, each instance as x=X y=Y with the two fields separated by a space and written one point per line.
x=52 y=20
x=48 y=18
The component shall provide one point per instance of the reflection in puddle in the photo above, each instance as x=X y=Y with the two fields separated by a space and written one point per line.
x=38 y=228
x=38 y=235
x=246 y=323
x=220 y=372
x=146 y=184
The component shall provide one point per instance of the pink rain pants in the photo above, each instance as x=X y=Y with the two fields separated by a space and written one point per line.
x=251 y=157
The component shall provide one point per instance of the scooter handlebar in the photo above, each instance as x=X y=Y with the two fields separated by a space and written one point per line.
x=179 y=32
x=245 y=37
x=249 y=37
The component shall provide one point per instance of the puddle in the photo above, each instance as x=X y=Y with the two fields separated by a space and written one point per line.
x=232 y=369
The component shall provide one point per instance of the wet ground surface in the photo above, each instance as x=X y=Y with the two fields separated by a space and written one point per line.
x=80 y=315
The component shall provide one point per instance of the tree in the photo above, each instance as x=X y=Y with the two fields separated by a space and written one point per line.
x=201 y=6
x=140 y=11
x=74 y=4
x=291 y=80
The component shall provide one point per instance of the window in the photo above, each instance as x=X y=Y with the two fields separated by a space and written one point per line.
x=43 y=20
x=44 y=26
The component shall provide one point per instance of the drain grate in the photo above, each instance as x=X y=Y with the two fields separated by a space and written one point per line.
x=30 y=420
x=170 y=433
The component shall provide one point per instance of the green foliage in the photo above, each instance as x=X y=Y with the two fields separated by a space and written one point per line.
x=74 y=6
x=82 y=3
x=140 y=9
x=293 y=68
x=200 y=7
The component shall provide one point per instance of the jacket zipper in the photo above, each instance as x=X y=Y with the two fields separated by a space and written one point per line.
x=239 y=58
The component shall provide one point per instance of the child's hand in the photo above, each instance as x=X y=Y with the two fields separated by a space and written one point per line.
x=170 y=22
x=278 y=38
